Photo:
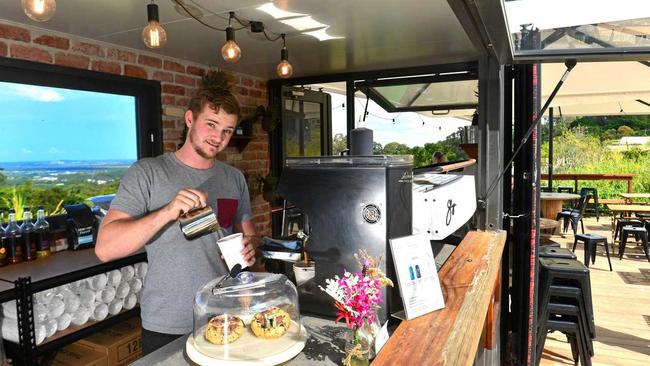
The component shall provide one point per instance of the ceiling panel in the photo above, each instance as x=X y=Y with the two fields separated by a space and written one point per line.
x=377 y=34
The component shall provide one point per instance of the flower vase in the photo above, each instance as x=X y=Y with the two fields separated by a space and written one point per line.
x=361 y=342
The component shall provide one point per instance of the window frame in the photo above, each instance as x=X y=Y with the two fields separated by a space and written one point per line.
x=146 y=92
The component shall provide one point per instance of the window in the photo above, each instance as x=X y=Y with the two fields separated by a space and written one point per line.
x=70 y=134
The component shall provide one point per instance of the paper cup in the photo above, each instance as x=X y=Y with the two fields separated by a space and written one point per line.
x=231 y=247
x=304 y=273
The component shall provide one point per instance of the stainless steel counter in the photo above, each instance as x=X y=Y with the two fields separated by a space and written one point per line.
x=324 y=347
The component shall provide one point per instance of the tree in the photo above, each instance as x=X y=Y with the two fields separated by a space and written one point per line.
x=339 y=143
x=377 y=149
x=625 y=131
x=610 y=134
x=395 y=148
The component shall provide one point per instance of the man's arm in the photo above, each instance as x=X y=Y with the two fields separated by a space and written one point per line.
x=120 y=234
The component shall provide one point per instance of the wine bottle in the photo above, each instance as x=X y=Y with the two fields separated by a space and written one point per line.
x=29 y=236
x=42 y=228
x=14 y=239
x=3 y=242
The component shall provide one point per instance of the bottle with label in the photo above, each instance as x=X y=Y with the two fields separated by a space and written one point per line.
x=29 y=236
x=14 y=240
x=3 y=242
x=42 y=228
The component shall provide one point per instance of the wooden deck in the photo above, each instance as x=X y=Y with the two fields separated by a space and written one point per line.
x=621 y=306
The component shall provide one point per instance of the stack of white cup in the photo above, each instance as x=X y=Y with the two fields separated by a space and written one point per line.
x=92 y=298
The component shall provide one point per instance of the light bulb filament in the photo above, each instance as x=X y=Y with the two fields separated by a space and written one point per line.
x=39 y=6
x=155 y=37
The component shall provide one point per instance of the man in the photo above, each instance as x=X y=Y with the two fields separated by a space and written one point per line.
x=152 y=195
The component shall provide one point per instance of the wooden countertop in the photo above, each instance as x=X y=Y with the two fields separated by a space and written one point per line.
x=451 y=336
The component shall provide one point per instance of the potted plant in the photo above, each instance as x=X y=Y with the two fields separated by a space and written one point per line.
x=268 y=117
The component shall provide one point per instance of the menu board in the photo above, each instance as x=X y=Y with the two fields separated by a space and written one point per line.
x=417 y=276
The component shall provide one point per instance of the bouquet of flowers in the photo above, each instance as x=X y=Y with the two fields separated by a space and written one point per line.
x=357 y=295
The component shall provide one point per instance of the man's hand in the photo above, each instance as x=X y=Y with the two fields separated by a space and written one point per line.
x=186 y=199
x=249 y=250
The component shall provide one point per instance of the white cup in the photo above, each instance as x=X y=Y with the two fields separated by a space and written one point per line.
x=231 y=247
x=304 y=273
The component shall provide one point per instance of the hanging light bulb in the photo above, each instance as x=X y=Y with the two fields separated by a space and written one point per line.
x=284 y=68
x=230 y=50
x=39 y=10
x=153 y=35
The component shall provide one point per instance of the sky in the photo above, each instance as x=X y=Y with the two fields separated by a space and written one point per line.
x=409 y=128
x=50 y=124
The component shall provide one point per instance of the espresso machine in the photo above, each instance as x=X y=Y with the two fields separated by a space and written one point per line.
x=352 y=202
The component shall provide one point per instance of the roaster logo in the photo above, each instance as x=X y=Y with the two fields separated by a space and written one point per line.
x=407 y=177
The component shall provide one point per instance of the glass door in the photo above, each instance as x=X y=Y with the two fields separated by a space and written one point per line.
x=306 y=122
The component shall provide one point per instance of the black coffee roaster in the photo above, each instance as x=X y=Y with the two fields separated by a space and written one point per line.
x=82 y=226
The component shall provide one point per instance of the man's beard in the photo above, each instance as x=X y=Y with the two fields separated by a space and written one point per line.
x=199 y=150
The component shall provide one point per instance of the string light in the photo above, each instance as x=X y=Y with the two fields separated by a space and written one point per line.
x=39 y=10
x=153 y=35
x=284 y=68
x=230 y=50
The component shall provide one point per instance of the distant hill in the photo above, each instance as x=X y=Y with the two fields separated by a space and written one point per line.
x=65 y=165
x=598 y=125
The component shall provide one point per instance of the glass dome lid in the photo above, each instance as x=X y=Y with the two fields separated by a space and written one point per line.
x=253 y=318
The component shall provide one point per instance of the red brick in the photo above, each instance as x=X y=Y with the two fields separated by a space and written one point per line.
x=241 y=90
x=3 y=49
x=247 y=82
x=135 y=71
x=260 y=84
x=182 y=102
x=88 y=49
x=30 y=53
x=107 y=66
x=16 y=33
x=119 y=55
x=185 y=80
x=169 y=146
x=150 y=61
x=198 y=71
x=169 y=124
x=70 y=60
x=53 y=41
x=255 y=93
x=163 y=76
x=173 y=66
x=173 y=89
x=172 y=135
x=168 y=99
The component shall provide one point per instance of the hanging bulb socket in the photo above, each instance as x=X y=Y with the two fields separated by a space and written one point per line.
x=153 y=35
x=230 y=50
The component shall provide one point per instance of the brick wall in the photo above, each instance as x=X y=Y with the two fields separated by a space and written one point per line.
x=178 y=79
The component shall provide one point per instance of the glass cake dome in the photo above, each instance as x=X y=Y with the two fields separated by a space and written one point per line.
x=251 y=319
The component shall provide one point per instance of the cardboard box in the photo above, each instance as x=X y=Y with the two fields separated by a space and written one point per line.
x=76 y=355
x=120 y=343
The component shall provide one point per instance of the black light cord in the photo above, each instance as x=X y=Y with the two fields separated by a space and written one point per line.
x=570 y=64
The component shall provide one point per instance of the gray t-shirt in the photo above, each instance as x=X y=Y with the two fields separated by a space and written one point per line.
x=178 y=267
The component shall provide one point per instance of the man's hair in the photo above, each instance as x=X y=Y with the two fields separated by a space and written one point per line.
x=215 y=93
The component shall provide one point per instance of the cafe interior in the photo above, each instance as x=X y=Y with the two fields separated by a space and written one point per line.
x=497 y=66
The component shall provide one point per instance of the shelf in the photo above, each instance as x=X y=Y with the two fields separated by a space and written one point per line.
x=240 y=141
x=60 y=268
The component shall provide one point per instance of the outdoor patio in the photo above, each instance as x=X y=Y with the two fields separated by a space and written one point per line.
x=621 y=305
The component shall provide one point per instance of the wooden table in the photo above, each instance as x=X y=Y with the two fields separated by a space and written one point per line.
x=452 y=335
x=575 y=177
x=630 y=196
x=551 y=202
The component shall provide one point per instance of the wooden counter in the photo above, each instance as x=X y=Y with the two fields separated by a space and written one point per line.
x=451 y=336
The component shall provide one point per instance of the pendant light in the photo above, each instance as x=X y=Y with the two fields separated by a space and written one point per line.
x=153 y=35
x=284 y=68
x=230 y=50
x=39 y=10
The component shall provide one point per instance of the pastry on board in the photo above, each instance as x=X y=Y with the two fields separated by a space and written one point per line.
x=222 y=329
x=271 y=323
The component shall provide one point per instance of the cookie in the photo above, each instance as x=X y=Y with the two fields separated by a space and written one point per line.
x=223 y=329
x=271 y=323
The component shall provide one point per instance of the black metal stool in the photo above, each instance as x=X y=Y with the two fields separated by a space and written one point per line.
x=555 y=252
x=625 y=222
x=593 y=192
x=590 y=242
x=565 y=189
x=573 y=296
x=569 y=273
x=637 y=232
